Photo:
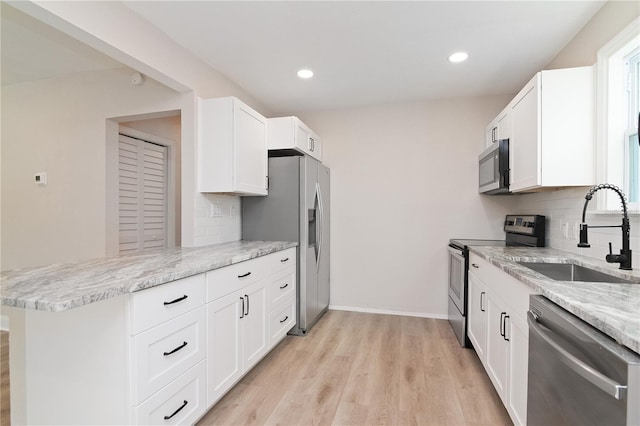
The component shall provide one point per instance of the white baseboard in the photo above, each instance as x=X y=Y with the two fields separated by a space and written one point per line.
x=387 y=312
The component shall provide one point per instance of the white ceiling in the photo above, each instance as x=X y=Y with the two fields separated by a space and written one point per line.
x=362 y=52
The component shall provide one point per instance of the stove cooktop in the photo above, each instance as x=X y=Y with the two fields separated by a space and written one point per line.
x=464 y=243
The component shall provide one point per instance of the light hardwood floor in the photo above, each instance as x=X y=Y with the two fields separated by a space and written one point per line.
x=354 y=369
x=365 y=369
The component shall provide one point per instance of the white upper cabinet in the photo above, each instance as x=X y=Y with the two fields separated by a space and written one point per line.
x=499 y=128
x=552 y=131
x=232 y=147
x=291 y=133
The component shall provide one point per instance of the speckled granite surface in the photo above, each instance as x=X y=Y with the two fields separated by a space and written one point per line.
x=613 y=309
x=64 y=286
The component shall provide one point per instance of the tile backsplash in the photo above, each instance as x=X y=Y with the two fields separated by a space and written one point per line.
x=217 y=219
x=563 y=211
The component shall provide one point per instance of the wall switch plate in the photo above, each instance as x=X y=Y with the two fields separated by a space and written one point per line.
x=40 y=178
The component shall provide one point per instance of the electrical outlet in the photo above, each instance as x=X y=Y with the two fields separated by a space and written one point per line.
x=576 y=231
x=216 y=210
x=565 y=229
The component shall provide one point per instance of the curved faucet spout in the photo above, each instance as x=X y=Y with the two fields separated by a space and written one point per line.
x=624 y=258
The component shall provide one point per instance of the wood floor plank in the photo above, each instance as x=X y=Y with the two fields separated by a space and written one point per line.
x=365 y=369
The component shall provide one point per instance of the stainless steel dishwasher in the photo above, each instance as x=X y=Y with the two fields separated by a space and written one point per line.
x=578 y=375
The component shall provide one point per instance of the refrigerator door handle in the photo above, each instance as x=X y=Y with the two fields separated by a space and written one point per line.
x=319 y=232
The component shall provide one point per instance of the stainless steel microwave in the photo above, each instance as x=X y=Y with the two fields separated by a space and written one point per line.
x=493 y=169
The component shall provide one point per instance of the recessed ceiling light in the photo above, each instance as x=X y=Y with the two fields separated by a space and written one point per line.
x=458 y=57
x=305 y=73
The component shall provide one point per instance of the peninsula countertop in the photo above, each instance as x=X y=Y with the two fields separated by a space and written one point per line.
x=613 y=309
x=65 y=286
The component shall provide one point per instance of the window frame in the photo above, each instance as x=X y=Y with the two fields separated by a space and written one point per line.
x=608 y=156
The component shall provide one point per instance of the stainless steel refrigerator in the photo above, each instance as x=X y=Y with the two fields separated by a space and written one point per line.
x=296 y=209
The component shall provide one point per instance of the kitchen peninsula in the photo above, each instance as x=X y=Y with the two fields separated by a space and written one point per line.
x=134 y=339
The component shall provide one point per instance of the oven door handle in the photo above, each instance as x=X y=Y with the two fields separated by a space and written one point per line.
x=610 y=386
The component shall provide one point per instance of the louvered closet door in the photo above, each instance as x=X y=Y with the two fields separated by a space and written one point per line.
x=143 y=195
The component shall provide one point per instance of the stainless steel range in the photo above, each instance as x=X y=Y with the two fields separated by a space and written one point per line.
x=520 y=230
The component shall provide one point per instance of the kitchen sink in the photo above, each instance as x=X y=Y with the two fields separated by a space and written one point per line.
x=571 y=272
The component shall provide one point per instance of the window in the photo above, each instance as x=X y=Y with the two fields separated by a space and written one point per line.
x=632 y=146
x=617 y=117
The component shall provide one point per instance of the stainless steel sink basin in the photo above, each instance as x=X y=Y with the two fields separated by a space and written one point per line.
x=571 y=272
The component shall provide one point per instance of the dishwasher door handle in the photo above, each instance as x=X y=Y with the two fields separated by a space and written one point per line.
x=610 y=386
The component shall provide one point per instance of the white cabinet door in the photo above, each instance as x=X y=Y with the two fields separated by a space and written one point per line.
x=497 y=346
x=250 y=157
x=255 y=335
x=291 y=133
x=224 y=362
x=477 y=319
x=524 y=147
x=232 y=147
x=551 y=122
x=518 y=335
x=504 y=123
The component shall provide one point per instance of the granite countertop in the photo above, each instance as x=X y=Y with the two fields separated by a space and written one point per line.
x=65 y=286
x=613 y=309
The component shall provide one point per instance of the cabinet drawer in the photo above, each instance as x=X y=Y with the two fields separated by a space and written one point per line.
x=479 y=267
x=223 y=281
x=156 y=305
x=183 y=401
x=282 y=320
x=163 y=353
x=282 y=286
x=281 y=260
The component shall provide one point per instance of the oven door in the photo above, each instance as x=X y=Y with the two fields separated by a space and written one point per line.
x=456 y=279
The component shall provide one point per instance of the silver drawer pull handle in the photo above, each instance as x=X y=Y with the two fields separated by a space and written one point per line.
x=286 y=259
x=475 y=265
x=285 y=318
x=284 y=286
x=176 y=349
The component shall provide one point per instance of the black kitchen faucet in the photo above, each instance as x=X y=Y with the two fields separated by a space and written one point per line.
x=624 y=258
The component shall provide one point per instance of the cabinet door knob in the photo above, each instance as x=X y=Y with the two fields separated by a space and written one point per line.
x=285 y=318
x=502 y=314
x=475 y=265
x=284 y=286
x=482 y=301
x=242 y=310
x=247 y=297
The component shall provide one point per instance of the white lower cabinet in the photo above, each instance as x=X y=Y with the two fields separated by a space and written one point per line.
x=498 y=305
x=182 y=402
x=477 y=311
x=157 y=356
x=497 y=361
x=243 y=304
x=237 y=337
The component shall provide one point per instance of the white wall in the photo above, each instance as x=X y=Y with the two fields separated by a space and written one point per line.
x=403 y=182
x=58 y=126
